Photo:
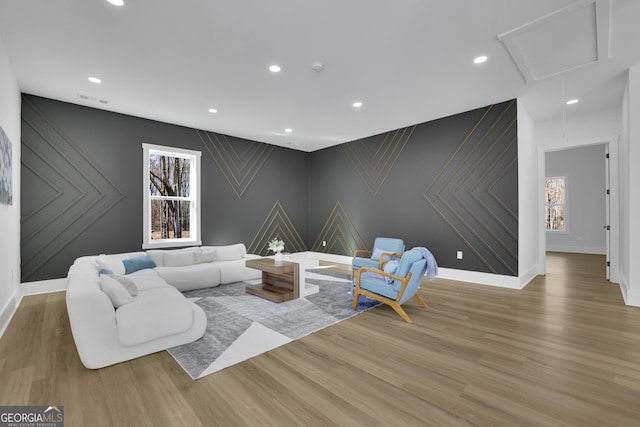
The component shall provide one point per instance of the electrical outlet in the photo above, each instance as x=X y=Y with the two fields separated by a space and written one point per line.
x=324 y=243
x=459 y=254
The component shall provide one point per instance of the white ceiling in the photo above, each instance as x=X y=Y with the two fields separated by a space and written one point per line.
x=408 y=61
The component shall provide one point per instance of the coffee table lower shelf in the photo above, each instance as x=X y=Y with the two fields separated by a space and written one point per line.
x=271 y=293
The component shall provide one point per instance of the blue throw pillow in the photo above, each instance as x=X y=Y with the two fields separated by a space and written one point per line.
x=377 y=253
x=390 y=268
x=140 y=263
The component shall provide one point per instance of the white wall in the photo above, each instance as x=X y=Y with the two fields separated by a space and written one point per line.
x=599 y=126
x=630 y=190
x=10 y=215
x=584 y=169
x=528 y=204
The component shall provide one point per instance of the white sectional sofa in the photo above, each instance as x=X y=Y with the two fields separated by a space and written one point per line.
x=124 y=306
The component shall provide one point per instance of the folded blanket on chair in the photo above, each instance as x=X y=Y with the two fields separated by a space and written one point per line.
x=432 y=265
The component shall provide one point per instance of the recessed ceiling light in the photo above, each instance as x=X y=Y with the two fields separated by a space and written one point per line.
x=274 y=69
x=94 y=80
x=288 y=130
x=116 y=2
x=572 y=101
x=212 y=110
x=357 y=104
x=480 y=59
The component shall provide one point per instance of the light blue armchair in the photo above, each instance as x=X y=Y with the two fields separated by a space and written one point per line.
x=384 y=249
x=394 y=288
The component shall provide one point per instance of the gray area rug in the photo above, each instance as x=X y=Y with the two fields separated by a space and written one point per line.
x=241 y=326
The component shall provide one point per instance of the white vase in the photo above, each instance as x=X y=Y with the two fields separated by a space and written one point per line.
x=278 y=256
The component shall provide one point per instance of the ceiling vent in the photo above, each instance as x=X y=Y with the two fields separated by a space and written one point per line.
x=92 y=99
x=566 y=39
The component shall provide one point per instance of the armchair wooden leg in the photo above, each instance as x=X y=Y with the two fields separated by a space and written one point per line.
x=401 y=312
x=421 y=301
x=355 y=300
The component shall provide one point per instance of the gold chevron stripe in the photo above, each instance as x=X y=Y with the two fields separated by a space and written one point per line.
x=374 y=166
x=239 y=169
x=277 y=224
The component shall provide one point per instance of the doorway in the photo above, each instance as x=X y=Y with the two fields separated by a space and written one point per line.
x=590 y=170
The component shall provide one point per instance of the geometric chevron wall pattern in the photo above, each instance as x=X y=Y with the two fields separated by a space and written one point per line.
x=476 y=173
x=374 y=157
x=73 y=193
x=449 y=184
x=339 y=233
x=239 y=167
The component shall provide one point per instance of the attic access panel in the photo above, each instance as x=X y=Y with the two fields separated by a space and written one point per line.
x=568 y=38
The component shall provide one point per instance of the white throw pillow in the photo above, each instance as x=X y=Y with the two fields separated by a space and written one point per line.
x=115 y=291
x=178 y=259
x=205 y=255
x=110 y=265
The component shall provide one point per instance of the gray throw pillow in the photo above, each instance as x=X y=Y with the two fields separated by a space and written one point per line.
x=128 y=284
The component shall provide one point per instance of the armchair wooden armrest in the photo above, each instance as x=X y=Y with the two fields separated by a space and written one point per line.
x=361 y=251
x=390 y=255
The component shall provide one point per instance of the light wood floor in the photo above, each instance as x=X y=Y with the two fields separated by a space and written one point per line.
x=565 y=351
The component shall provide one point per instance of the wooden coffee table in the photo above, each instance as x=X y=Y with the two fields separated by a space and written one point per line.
x=282 y=280
x=279 y=279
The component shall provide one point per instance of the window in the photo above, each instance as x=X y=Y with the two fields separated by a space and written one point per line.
x=555 y=199
x=171 y=197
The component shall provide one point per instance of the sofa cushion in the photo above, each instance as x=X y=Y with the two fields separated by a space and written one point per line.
x=196 y=276
x=179 y=259
x=228 y=253
x=204 y=255
x=117 y=293
x=155 y=314
x=157 y=255
x=147 y=279
x=110 y=265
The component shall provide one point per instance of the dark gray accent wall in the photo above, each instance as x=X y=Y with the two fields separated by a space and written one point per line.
x=82 y=186
x=450 y=184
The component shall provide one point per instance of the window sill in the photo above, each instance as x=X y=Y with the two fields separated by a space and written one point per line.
x=178 y=243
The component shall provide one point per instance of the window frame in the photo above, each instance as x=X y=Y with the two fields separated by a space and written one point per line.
x=194 y=198
x=565 y=177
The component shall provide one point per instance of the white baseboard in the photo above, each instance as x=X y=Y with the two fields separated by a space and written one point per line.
x=7 y=312
x=593 y=250
x=43 y=286
x=631 y=297
x=511 y=282
x=489 y=279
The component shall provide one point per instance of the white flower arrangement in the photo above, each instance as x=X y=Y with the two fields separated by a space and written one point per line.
x=276 y=245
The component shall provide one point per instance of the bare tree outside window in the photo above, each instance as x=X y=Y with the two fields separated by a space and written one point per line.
x=555 y=202
x=169 y=182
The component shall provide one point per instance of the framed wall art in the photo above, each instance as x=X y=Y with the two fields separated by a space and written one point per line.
x=6 y=187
